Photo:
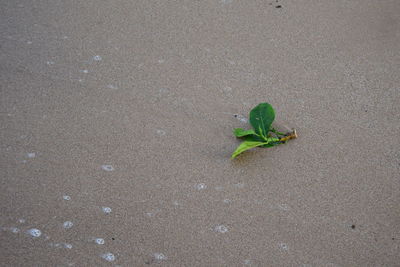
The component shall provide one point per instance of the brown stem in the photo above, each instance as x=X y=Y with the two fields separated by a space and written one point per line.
x=292 y=135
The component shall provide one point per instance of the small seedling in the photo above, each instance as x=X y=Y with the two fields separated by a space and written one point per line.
x=263 y=135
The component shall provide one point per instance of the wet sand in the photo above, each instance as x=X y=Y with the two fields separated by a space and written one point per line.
x=116 y=133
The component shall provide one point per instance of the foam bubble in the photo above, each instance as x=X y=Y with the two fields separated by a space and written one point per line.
x=111 y=86
x=227 y=89
x=65 y=197
x=241 y=118
x=97 y=58
x=283 y=206
x=106 y=210
x=159 y=256
x=108 y=257
x=201 y=186
x=107 y=168
x=283 y=246
x=21 y=220
x=60 y=245
x=221 y=228
x=31 y=155
x=239 y=185
x=99 y=241
x=34 y=232
x=247 y=262
x=68 y=224
x=160 y=132
x=14 y=230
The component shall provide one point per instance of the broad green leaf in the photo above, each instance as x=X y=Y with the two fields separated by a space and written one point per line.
x=239 y=132
x=245 y=146
x=256 y=138
x=261 y=118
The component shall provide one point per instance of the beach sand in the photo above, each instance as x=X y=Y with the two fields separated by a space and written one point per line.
x=116 y=133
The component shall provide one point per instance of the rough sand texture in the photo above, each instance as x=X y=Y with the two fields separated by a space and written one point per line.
x=116 y=132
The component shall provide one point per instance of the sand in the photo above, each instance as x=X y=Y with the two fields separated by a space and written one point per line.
x=116 y=133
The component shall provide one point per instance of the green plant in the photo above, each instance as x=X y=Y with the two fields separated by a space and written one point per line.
x=263 y=135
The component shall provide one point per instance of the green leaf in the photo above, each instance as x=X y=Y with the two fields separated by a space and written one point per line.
x=255 y=138
x=261 y=118
x=276 y=132
x=239 y=132
x=269 y=142
x=245 y=146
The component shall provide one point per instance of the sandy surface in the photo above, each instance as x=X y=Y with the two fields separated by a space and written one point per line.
x=116 y=133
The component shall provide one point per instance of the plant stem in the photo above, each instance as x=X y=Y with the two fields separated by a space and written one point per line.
x=276 y=132
x=292 y=135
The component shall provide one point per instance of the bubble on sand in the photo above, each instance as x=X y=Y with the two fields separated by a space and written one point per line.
x=60 y=245
x=159 y=256
x=283 y=246
x=65 y=197
x=34 y=232
x=239 y=185
x=21 y=220
x=68 y=224
x=99 y=241
x=106 y=210
x=227 y=89
x=84 y=71
x=201 y=186
x=31 y=155
x=108 y=257
x=221 y=228
x=107 y=168
x=283 y=206
x=14 y=230
x=241 y=118
x=111 y=86
x=163 y=90
x=97 y=58
x=247 y=262
x=161 y=132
